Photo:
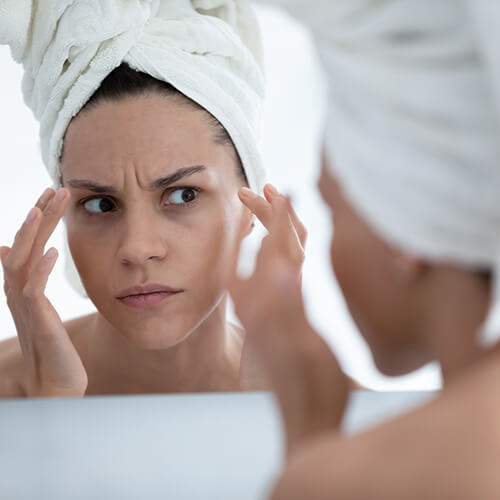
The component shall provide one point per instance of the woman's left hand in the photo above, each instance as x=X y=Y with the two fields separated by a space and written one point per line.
x=295 y=361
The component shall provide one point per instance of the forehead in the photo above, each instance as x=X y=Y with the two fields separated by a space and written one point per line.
x=154 y=133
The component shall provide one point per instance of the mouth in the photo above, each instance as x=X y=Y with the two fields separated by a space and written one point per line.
x=141 y=296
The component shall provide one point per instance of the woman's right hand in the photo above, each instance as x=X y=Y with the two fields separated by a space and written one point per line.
x=298 y=365
x=52 y=365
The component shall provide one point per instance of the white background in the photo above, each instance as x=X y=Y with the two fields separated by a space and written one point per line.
x=291 y=144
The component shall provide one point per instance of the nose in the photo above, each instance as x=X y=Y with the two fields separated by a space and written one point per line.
x=141 y=239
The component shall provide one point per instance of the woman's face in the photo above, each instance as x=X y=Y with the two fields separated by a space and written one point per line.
x=153 y=200
x=377 y=284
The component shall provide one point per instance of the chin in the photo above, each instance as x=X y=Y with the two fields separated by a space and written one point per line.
x=397 y=364
x=154 y=341
x=155 y=333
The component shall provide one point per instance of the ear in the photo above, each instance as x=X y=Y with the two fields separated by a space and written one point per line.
x=248 y=222
x=250 y=227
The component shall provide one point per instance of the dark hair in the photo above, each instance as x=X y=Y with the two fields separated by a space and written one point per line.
x=124 y=81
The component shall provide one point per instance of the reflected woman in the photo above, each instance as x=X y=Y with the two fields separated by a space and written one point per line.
x=412 y=180
x=149 y=183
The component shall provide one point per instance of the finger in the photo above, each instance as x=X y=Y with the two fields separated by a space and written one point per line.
x=41 y=204
x=23 y=243
x=235 y=283
x=263 y=209
x=281 y=243
x=35 y=286
x=298 y=233
x=44 y=199
x=297 y=223
x=257 y=205
x=270 y=192
x=284 y=235
x=51 y=217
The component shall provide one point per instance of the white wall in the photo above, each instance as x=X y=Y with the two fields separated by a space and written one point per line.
x=291 y=141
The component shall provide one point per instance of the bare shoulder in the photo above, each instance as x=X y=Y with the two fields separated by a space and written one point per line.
x=77 y=327
x=11 y=369
x=449 y=448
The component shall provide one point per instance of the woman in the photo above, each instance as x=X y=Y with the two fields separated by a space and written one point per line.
x=412 y=180
x=149 y=182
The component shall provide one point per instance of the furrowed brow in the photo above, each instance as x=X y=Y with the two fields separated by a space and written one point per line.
x=176 y=176
x=90 y=186
x=95 y=187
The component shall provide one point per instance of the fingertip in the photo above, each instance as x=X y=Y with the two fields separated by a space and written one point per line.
x=51 y=254
x=62 y=195
x=272 y=194
x=246 y=193
x=45 y=197
x=271 y=189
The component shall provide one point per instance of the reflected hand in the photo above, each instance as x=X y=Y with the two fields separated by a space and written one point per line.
x=299 y=366
x=52 y=364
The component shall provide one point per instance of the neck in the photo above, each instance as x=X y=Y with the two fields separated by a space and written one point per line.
x=458 y=305
x=207 y=360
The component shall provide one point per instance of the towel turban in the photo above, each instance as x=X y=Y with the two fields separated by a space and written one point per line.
x=208 y=49
x=413 y=127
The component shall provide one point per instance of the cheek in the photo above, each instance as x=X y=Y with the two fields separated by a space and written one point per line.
x=343 y=257
x=211 y=252
x=354 y=261
x=202 y=253
x=90 y=263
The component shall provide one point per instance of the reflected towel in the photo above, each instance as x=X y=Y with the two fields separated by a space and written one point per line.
x=413 y=128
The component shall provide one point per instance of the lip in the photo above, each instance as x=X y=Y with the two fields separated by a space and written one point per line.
x=147 y=295
x=146 y=289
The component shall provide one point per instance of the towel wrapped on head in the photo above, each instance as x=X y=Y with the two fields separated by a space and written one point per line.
x=208 y=49
x=413 y=131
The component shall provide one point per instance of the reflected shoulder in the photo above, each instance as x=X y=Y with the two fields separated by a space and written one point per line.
x=12 y=384
x=449 y=448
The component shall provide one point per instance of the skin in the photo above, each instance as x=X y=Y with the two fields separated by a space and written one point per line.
x=396 y=300
x=142 y=234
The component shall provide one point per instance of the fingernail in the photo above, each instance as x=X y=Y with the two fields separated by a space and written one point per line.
x=45 y=196
x=248 y=192
x=51 y=254
x=31 y=215
x=60 y=195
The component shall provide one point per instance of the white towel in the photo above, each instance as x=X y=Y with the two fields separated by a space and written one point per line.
x=208 y=49
x=413 y=127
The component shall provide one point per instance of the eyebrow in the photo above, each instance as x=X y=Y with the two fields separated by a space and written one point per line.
x=157 y=184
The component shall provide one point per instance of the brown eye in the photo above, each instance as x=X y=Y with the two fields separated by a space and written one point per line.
x=182 y=196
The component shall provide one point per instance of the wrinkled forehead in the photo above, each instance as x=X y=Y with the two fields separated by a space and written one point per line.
x=150 y=136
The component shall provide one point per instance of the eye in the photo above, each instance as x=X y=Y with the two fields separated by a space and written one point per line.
x=98 y=205
x=182 y=196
